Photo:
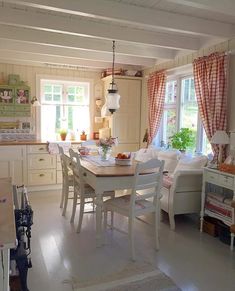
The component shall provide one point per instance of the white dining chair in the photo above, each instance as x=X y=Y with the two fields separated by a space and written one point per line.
x=144 y=198
x=67 y=179
x=82 y=190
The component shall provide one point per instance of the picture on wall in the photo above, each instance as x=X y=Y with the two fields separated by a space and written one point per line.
x=22 y=95
x=6 y=95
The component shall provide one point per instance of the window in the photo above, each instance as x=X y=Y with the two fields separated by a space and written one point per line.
x=181 y=110
x=64 y=105
x=169 y=114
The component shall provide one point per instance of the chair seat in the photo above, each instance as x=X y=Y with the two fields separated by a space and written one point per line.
x=90 y=192
x=123 y=204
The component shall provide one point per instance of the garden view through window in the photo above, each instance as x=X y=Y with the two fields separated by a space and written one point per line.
x=181 y=111
x=64 y=105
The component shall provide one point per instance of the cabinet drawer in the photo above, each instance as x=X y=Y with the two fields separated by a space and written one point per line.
x=212 y=177
x=41 y=177
x=226 y=181
x=59 y=178
x=41 y=161
x=41 y=148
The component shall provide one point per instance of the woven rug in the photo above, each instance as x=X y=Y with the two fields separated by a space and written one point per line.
x=133 y=277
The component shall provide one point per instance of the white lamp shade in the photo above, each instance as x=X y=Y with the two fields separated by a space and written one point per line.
x=104 y=111
x=112 y=101
x=220 y=137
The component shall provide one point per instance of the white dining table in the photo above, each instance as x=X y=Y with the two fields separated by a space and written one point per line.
x=105 y=178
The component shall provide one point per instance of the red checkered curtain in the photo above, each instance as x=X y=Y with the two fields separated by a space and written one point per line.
x=210 y=78
x=156 y=96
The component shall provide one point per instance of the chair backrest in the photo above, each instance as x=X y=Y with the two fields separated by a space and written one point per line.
x=147 y=180
x=65 y=163
x=90 y=144
x=76 y=167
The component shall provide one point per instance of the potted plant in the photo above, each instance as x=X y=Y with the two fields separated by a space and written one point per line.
x=182 y=139
x=63 y=134
x=83 y=136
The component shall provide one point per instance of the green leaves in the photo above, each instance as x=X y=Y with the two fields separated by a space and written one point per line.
x=182 y=139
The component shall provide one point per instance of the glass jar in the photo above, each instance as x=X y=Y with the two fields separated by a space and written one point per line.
x=105 y=153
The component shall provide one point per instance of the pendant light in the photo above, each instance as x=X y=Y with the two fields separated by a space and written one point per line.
x=112 y=98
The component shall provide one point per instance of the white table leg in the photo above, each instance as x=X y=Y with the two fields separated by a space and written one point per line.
x=99 y=206
x=4 y=269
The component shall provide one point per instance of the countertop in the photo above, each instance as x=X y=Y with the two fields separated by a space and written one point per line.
x=31 y=142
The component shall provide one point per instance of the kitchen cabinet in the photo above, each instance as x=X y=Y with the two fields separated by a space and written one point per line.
x=125 y=123
x=13 y=163
x=41 y=166
x=15 y=101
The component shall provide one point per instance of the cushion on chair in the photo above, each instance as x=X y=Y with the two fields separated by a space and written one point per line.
x=171 y=158
x=143 y=155
x=167 y=181
x=189 y=163
x=123 y=202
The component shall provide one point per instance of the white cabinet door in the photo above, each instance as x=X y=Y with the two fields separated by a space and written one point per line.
x=125 y=123
x=13 y=163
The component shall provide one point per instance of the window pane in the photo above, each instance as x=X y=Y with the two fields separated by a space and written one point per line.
x=169 y=124
x=48 y=97
x=171 y=89
x=73 y=117
x=189 y=108
x=206 y=146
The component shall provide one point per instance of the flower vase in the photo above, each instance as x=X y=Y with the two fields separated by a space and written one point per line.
x=105 y=153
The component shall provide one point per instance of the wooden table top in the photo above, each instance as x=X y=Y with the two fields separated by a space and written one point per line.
x=7 y=217
x=110 y=171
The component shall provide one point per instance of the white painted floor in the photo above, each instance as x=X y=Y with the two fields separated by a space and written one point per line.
x=193 y=260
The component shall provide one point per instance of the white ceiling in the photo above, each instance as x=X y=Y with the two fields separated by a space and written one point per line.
x=79 y=33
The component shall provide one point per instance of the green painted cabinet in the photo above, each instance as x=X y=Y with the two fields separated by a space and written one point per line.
x=15 y=101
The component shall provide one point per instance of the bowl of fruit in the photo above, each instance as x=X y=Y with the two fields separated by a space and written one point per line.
x=123 y=159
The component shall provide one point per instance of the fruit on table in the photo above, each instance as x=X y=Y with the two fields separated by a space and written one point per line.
x=123 y=156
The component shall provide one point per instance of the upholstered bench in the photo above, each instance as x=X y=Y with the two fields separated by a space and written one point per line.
x=182 y=181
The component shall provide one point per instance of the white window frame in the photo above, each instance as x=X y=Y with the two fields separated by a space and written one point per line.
x=37 y=118
x=199 y=137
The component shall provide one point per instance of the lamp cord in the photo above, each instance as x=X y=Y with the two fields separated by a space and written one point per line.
x=113 y=63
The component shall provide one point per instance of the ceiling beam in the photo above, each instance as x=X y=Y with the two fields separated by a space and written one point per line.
x=69 y=25
x=225 y=6
x=84 y=43
x=13 y=45
x=42 y=59
x=146 y=17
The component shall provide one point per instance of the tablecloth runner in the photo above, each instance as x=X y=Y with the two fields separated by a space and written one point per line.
x=96 y=160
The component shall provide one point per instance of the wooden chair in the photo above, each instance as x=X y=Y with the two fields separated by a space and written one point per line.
x=82 y=191
x=146 y=184
x=67 y=180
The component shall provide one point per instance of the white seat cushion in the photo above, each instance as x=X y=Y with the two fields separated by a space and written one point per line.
x=187 y=163
x=171 y=158
x=123 y=203
x=143 y=155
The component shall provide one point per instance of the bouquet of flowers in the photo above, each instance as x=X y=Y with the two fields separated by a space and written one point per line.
x=107 y=142
x=105 y=146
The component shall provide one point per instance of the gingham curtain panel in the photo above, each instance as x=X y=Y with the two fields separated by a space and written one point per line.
x=211 y=78
x=156 y=96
